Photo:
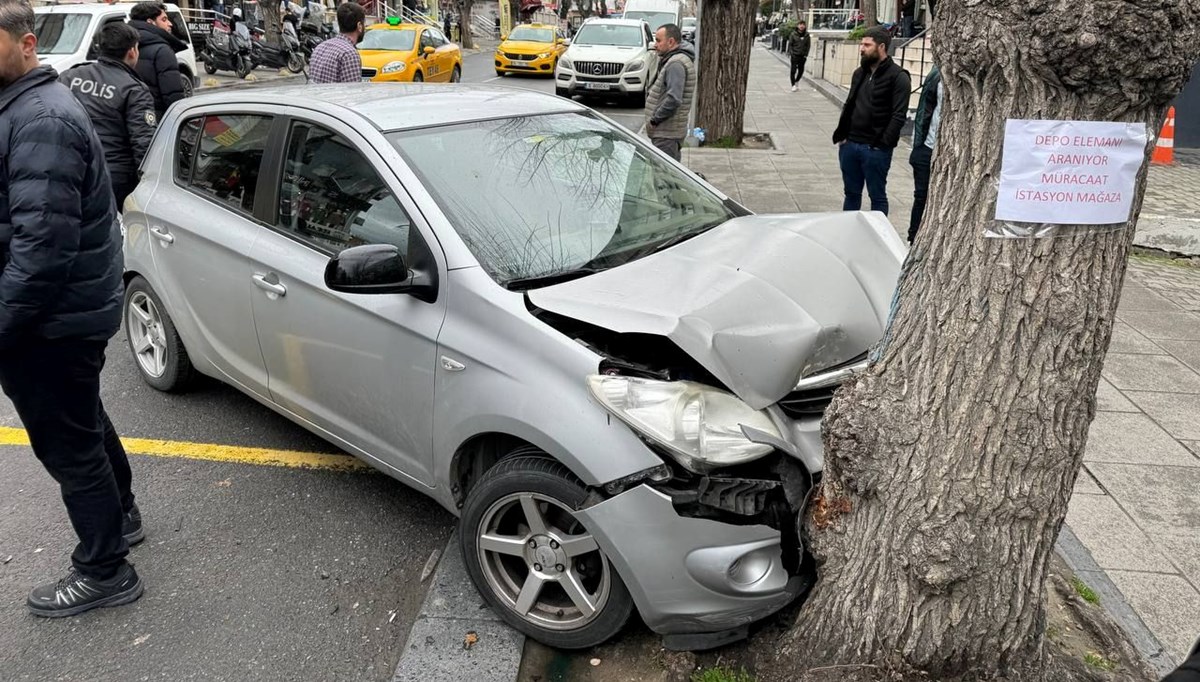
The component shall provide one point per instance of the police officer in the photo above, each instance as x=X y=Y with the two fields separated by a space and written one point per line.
x=119 y=104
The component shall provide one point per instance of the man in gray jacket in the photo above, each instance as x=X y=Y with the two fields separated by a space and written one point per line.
x=119 y=104
x=671 y=92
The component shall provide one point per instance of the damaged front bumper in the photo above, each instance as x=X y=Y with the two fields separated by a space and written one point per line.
x=691 y=575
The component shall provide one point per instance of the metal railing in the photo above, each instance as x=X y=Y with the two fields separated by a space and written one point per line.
x=483 y=27
x=833 y=19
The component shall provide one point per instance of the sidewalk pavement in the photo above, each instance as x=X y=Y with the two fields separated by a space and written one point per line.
x=1134 y=521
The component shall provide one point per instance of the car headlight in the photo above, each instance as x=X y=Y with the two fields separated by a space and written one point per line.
x=565 y=63
x=393 y=67
x=635 y=66
x=700 y=426
x=543 y=55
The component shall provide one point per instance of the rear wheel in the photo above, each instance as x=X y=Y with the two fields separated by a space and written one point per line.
x=210 y=66
x=456 y=74
x=157 y=349
x=295 y=62
x=534 y=562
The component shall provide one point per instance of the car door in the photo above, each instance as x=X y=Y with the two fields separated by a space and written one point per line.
x=202 y=227
x=358 y=366
x=445 y=55
x=429 y=62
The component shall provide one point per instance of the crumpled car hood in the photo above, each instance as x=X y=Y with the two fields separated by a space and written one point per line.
x=760 y=301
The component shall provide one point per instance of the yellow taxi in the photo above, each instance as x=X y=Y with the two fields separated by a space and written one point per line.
x=393 y=51
x=531 y=48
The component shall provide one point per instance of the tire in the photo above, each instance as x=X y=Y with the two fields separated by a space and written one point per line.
x=243 y=67
x=563 y=92
x=499 y=73
x=497 y=505
x=148 y=326
x=210 y=67
x=456 y=74
x=295 y=62
x=418 y=77
x=189 y=83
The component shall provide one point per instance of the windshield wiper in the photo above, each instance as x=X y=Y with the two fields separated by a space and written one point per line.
x=672 y=241
x=524 y=283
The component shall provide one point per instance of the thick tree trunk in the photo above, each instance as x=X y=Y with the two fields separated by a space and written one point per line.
x=272 y=19
x=870 y=10
x=726 y=37
x=466 y=40
x=951 y=460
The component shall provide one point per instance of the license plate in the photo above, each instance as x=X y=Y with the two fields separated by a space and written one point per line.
x=597 y=86
x=366 y=79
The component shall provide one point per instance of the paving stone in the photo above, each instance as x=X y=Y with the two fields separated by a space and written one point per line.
x=1168 y=605
x=1109 y=399
x=1135 y=297
x=1162 y=500
x=1133 y=438
x=1150 y=373
x=1178 y=413
x=1164 y=325
x=1086 y=484
x=1193 y=445
x=1184 y=552
x=1111 y=536
x=1187 y=352
x=1126 y=339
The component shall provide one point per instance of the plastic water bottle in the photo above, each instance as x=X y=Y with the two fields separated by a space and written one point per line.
x=698 y=133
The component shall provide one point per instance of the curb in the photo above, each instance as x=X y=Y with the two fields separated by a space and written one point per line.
x=437 y=648
x=1080 y=560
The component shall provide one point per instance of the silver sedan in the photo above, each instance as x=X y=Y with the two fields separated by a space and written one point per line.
x=611 y=372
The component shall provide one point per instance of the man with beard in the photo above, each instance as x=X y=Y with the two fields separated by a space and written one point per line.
x=60 y=302
x=336 y=60
x=869 y=128
x=157 y=65
x=669 y=99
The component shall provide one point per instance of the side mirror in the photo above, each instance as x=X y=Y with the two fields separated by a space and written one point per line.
x=376 y=269
x=503 y=36
x=429 y=50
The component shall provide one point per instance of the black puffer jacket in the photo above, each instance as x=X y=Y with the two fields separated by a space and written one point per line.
x=157 y=65
x=122 y=112
x=889 y=90
x=60 y=246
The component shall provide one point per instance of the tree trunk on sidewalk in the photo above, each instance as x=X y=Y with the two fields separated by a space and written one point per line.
x=870 y=9
x=272 y=20
x=726 y=32
x=466 y=40
x=950 y=461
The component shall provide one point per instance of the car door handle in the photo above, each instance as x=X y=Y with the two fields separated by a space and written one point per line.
x=162 y=235
x=268 y=286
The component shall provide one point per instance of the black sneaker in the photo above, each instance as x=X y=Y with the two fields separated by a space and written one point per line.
x=75 y=593
x=131 y=526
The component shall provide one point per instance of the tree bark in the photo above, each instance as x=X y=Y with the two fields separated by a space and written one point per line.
x=870 y=10
x=466 y=40
x=272 y=20
x=951 y=460
x=726 y=37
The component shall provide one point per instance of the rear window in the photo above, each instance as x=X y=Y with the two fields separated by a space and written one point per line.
x=60 y=33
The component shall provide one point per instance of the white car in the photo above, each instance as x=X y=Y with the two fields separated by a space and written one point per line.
x=67 y=35
x=607 y=57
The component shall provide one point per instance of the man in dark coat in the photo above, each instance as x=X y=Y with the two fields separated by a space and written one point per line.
x=869 y=128
x=798 y=48
x=119 y=104
x=157 y=65
x=60 y=302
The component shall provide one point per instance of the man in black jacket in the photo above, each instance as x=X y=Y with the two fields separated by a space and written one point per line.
x=869 y=129
x=157 y=64
x=119 y=104
x=798 y=48
x=60 y=302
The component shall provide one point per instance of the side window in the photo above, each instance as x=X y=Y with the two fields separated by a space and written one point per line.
x=426 y=39
x=332 y=197
x=229 y=156
x=437 y=37
x=179 y=27
x=185 y=148
x=93 y=49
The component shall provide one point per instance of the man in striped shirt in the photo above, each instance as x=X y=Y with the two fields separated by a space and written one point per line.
x=336 y=60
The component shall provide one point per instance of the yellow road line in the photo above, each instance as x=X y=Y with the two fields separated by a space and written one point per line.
x=217 y=453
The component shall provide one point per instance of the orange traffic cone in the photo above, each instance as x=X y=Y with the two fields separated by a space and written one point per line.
x=1164 y=149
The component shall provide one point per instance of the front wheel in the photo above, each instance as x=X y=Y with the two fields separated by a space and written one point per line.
x=157 y=349
x=499 y=73
x=295 y=62
x=418 y=78
x=243 y=67
x=456 y=74
x=534 y=562
x=638 y=100
x=210 y=66
x=563 y=92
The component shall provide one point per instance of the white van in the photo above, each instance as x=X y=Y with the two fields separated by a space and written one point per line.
x=655 y=12
x=66 y=35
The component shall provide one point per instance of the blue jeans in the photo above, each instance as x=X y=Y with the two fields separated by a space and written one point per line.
x=864 y=164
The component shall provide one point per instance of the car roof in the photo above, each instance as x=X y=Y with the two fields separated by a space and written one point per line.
x=381 y=26
x=93 y=7
x=400 y=106
x=615 y=20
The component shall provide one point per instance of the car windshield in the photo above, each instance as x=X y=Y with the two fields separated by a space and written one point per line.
x=622 y=35
x=655 y=19
x=398 y=40
x=543 y=196
x=60 y=33
x=533 y=35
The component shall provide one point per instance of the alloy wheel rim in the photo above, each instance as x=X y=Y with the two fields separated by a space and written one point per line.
x=541 y=562
x=147 y=335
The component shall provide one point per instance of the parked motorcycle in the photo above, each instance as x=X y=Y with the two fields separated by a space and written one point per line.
x=227 y=51
x=286 y=55
x=311 y=35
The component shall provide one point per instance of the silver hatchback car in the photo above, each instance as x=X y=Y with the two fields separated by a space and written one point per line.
x=611 y=372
